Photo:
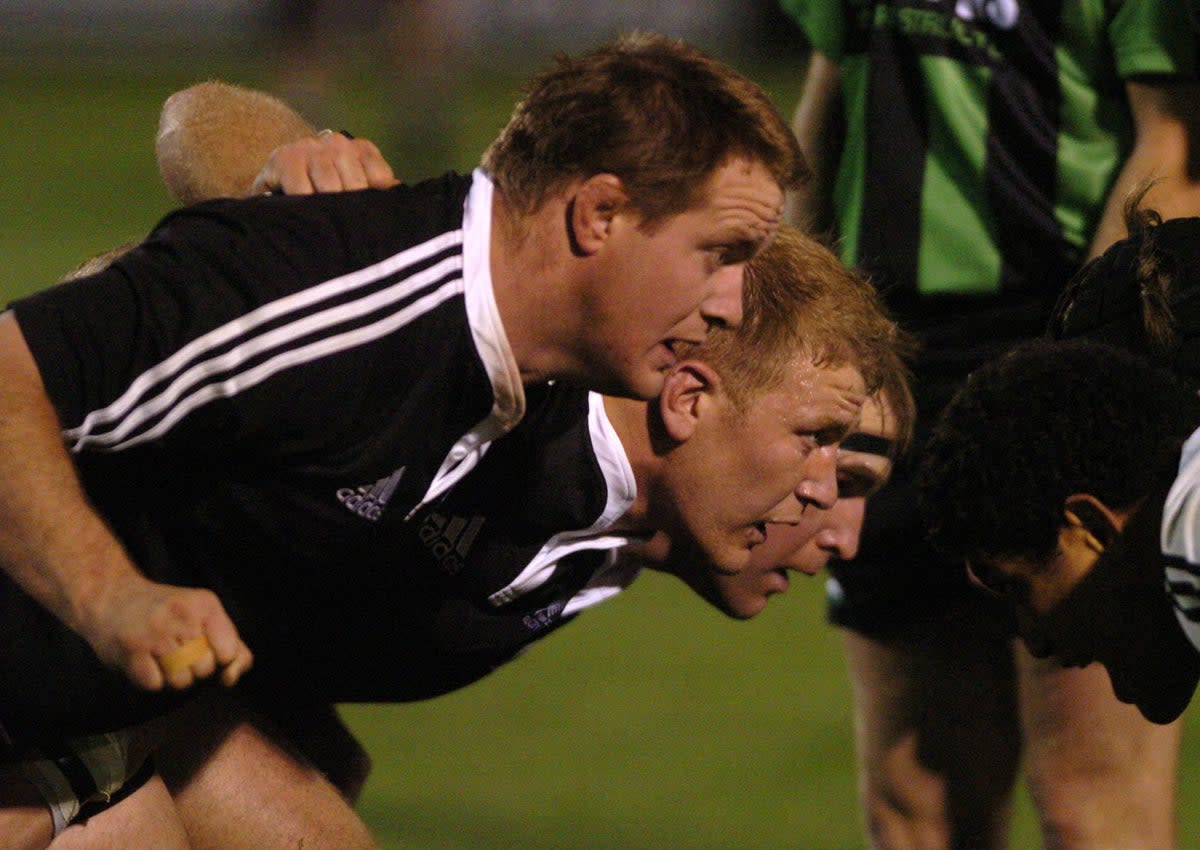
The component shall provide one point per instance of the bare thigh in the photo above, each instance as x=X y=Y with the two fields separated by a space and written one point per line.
x=238 y=789
x=1101 y=775
x=146 y=818
x=936 y=733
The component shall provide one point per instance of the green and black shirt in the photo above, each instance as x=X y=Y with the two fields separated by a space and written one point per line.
x=983 y=136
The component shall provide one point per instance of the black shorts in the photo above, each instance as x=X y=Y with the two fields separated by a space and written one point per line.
x=52 y=686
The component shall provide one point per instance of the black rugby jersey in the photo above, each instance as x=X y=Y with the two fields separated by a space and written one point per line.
x=515 y=550
x=268 y=387
x=281 y=376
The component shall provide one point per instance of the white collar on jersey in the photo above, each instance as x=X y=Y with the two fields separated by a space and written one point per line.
x=482 y=313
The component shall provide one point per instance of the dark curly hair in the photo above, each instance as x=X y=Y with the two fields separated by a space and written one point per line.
x=1047 y=420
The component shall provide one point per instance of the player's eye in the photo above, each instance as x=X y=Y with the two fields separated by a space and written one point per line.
x=853 y=486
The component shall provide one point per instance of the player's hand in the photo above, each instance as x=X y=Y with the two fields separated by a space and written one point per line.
x=327 y=162
x=163 y=635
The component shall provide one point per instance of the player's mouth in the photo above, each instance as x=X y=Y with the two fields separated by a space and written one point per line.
x=784 y=580
x=756 y=534
x=811 y=568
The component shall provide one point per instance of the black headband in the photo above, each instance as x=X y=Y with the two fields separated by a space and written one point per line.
x=871 y=444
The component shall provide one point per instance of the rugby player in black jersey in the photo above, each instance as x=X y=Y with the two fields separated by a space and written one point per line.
x=715 y=459
x=240 y=326
x=798 y=420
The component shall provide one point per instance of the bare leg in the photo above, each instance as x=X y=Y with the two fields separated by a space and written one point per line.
x=936 y=733
x=1101 y=776
x=237 y=789
x=146 y=818
x=25 y=822
x=324 y=741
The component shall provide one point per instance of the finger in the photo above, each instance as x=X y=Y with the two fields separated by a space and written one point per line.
x=330 y=158
x=233 y=671
x=265 y=183
x=204 y=666
x=327 y=174
x=223 y=638
x=286 y=171
x=145 y=672
x=286 y=179
x=177 y=664
x=379 y=173
x=351 y=173
x=375 y=168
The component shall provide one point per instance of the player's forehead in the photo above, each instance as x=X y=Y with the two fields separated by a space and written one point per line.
x=820 y=392
x=876 y=433
x=878 y=417
x=741 y=202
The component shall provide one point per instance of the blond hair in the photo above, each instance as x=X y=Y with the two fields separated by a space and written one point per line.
x=214 y=137
x=800 y=299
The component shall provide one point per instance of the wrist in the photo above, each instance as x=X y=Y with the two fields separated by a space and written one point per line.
x=92 y=566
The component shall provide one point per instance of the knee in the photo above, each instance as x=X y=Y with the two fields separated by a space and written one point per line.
x=904 y=802
x=1099 y=774
x=907 y=816
x=1101 y=812
x=917 y=803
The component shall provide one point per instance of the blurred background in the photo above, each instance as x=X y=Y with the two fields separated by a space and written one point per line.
x=651 y=722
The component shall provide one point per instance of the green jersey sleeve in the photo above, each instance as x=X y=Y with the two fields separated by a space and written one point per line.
x=821 y=21
x=1152 y=37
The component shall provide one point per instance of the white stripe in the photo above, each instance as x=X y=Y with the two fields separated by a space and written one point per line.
x=1181 y=582
x=389 y=485
x=621 y=489
x=313 y=351
x=613 y=577
x=1182 y=586
x=280 y=337
x=244 y=324
x=1180 y=530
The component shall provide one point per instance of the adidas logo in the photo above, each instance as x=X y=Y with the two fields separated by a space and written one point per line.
x=368 y=501
x=543 y=618
x=449 y=539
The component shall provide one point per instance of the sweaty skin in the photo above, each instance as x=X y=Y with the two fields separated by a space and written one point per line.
x=821 y=533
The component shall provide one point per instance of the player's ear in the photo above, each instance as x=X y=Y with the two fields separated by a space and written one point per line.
x=590 y=213
x=1091 y=521
x=688 y=391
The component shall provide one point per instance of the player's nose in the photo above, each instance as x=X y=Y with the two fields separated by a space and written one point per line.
x=818 y=486
x=723 y=306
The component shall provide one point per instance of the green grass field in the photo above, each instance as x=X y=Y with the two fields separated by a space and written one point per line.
x=653 y=722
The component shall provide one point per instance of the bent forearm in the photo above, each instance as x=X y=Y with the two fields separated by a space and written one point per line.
x=1167 y=152
x=51 y=542
x=1174 y=192
x=818 y=126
